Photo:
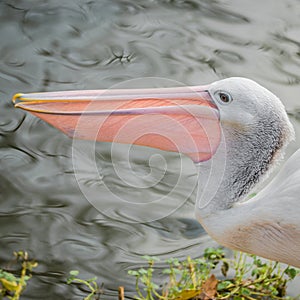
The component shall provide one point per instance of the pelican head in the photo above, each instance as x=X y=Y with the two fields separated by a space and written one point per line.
x=256 y=130
x=245 y=106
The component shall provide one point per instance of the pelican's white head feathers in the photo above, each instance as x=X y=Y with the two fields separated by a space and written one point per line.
x=247 y=105
x=256 y=131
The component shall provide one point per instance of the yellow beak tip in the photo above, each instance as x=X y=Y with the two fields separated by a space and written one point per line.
x=17 y=97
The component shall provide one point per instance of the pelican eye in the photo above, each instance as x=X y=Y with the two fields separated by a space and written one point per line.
x=224 y=97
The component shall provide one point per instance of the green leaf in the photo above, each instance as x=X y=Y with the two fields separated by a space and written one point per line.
x=255 y=272
x=142 y=271
x=150 y=258
x=154 y=286
x=26 y=278
x=8 y=276
x=74 y=273
x=223 y=285
x=258 y=262
x=177 y=271
x=173 y=261
x=91 y=279
x=213 y=253
x=133 y=273
x=200 y=261
x=245 y=291
x=291 y=272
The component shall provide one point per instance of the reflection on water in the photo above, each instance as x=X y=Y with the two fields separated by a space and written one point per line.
x=60 y=45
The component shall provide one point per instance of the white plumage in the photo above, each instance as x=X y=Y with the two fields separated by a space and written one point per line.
x=256 y=131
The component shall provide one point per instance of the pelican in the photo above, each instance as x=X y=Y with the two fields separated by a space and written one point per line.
x=234 y=130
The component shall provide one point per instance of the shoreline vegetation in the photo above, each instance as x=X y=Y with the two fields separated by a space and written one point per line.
x=213 y=276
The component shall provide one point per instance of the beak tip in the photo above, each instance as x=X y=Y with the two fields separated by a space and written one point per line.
x=16 y=98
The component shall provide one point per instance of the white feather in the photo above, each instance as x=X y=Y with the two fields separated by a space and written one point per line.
x=267 y=224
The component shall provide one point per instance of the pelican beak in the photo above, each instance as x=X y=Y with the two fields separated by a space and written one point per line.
x=183 y=119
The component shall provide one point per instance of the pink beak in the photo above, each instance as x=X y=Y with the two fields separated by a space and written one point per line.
x=184 y=119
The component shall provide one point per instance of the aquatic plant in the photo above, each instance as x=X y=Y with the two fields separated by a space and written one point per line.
x=245 y=277
x=94 y=291
x=11 y=285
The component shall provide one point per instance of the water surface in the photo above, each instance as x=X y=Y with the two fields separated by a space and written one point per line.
x=63 y=45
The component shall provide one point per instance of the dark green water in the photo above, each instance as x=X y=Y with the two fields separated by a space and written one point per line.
x=145 y=206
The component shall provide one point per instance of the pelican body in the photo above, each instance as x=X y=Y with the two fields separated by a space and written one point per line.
x=234 y=130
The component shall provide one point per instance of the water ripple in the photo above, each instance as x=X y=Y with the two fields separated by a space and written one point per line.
x=55 y=45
